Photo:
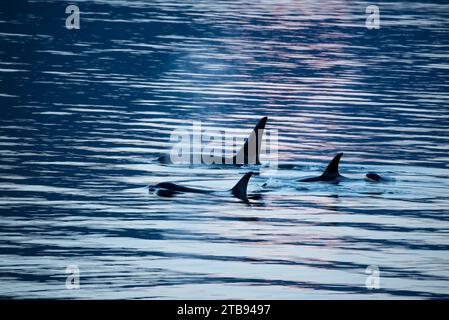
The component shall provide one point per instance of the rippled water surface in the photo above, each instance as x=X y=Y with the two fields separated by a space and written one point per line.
x=85 y=114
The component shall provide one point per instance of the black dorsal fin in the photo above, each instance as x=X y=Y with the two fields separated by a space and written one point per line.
x=250 y=151
x=332 y=167
x=239 y=190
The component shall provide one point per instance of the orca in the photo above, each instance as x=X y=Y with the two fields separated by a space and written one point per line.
x=331 y=174
x=246 y=155
x=168 y=189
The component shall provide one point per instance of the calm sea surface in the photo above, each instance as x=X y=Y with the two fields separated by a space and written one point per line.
x=85 y=113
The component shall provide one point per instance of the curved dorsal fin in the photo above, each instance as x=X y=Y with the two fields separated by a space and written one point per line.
x=332 y=167
x=249 y=152
x=239 y=190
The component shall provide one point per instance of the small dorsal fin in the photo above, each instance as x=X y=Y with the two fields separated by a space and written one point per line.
x=332 y=167
x=239 y=190
x=249 y=152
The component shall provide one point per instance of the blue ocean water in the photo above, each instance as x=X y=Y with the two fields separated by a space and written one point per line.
x=85 y=114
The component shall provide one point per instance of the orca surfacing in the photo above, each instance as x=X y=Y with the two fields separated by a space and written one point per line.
x=249 y=153
x=168 y=189
x=330 y=174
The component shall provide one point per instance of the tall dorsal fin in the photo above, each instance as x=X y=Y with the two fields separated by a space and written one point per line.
x=249 y=152
x=239 y=190
x=332 y=167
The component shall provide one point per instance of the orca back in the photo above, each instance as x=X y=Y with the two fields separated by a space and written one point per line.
x=240 y=189
x=249 y=153
x=332 y=171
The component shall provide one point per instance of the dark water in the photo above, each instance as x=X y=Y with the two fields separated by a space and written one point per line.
x=85 y=113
